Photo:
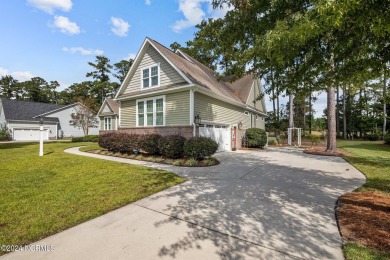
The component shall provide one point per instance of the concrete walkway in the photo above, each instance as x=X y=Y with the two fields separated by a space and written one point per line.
x=276 y=204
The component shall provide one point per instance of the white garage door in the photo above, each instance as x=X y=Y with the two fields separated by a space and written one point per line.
x=29 y=134
x=219 y=133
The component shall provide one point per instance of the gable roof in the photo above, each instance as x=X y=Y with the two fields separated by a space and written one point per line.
x=194 y=72
x=112 y=105
x=26 y=110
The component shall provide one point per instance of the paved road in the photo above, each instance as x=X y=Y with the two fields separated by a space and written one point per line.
x=276 y=204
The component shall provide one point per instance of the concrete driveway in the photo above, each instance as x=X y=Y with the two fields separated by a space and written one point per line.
x=275 y=204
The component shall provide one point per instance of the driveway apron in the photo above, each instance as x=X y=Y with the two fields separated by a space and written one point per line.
x=275 y=204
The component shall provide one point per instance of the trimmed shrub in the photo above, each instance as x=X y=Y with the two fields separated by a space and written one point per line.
x=5 y=134
x=149 y=143
x=387 y=139
x=257 y=137
x=199 y=148
x=119 y=141
x=372 y=137
x=172 y=146
x=88 y=138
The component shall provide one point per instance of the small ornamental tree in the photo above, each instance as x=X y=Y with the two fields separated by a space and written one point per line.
x=84 y=117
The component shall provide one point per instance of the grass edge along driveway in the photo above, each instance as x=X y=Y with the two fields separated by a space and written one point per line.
x=373 y=160
x=41 y=196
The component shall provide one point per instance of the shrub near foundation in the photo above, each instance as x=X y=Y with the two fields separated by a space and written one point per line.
x=149 y=143
x=119 y=142
x=172 y=146
x=199 y=148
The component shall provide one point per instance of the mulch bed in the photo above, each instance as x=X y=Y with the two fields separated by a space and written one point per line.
x=159 y=159
x=364 y=217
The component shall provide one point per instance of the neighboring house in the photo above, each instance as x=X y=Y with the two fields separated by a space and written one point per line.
x=164 y=91
x=109 y=115
x=22 y=118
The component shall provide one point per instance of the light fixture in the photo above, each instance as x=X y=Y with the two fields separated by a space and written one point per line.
x=198 y=120
x=240 y=125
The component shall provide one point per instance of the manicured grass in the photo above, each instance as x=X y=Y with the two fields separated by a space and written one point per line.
x=40 y=196
x=355 y=251
x=373 y=160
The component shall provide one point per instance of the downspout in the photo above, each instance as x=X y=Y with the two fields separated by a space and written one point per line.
x=192 y=112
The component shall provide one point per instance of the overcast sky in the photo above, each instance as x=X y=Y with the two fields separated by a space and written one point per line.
x=54 y=39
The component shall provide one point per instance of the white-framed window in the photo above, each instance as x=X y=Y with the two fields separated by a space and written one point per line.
x=246 y=113
x=151 y=111
x=107 y=123
x=150 y=76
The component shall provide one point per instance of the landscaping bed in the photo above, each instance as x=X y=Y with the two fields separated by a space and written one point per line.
x=364 y=215
x=171 y=149
x=186 y=162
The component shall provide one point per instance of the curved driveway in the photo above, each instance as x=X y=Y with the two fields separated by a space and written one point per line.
x=275 y=204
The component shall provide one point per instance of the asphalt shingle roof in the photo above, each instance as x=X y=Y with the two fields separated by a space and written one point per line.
x=25 y=110
x=205 y=77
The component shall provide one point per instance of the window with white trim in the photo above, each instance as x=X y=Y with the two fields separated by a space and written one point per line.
x=107 y=123
x=150 y=112
x=150 y=76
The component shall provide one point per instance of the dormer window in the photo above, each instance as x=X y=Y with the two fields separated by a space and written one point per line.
x=150 y=76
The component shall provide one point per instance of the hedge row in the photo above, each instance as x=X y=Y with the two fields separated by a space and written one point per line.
x=88 y=138
x=171 y=146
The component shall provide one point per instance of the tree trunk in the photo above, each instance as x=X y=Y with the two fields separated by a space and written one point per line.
x=291 y=119
x=277 y=104
x=337 y=111
x=384 y=105
x=344 y=112
x=331 y=141
x=310 y=112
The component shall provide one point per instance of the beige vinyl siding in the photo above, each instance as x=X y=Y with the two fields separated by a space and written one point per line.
x=217 y=111
x=113 y=122
x=253 y=94
x=168 y=75
x=128 y=116
x=106 y=109
x=177 y=108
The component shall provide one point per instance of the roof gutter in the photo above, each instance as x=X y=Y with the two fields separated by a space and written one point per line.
x=162 y=91
x=208 y=92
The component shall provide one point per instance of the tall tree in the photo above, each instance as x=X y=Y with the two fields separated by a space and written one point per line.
x=332 y=35
x=102 y=69
x=7 y=86
x=122 y=68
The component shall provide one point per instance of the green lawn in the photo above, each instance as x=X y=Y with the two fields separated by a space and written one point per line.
x=373 y=160
x=40 y=196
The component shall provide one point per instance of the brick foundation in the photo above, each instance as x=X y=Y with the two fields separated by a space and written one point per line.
x=185 y=131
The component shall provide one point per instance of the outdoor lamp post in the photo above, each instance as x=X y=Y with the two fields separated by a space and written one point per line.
x=41 y=137
x=198 y=120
